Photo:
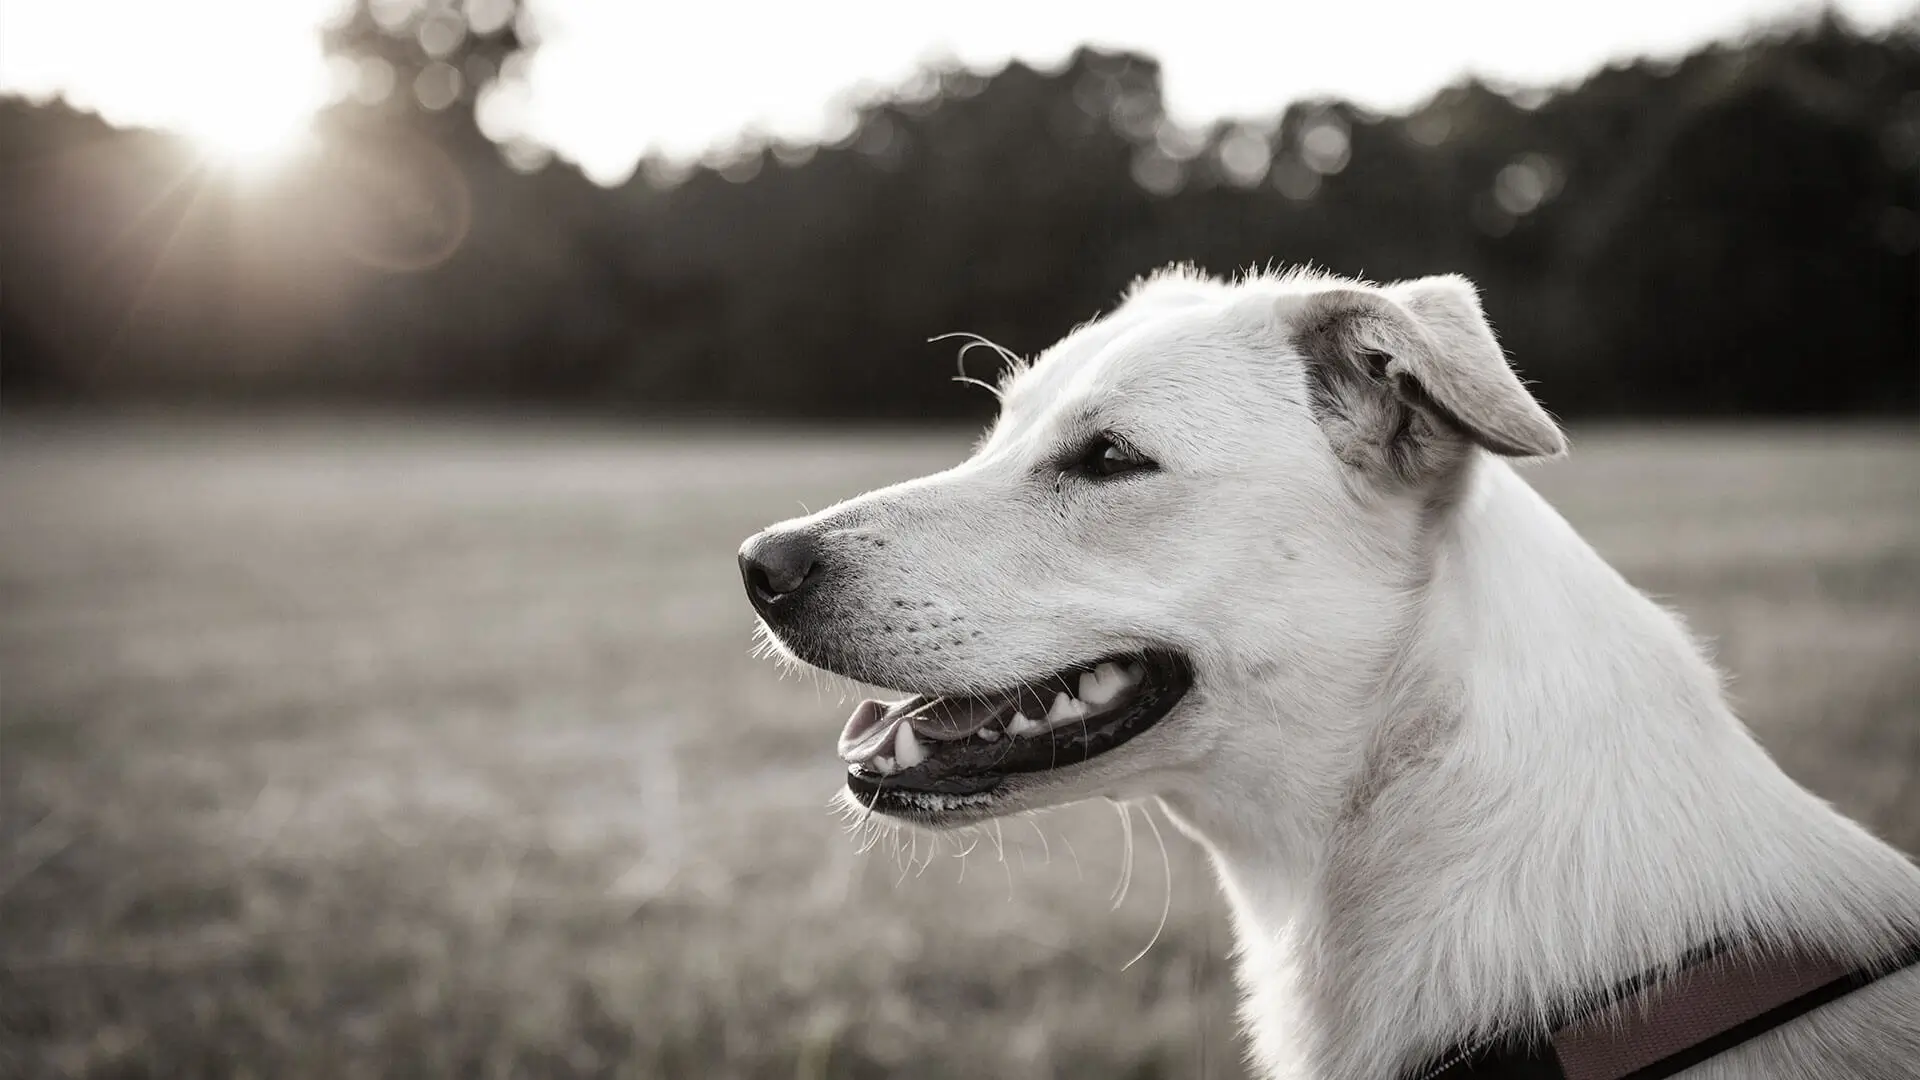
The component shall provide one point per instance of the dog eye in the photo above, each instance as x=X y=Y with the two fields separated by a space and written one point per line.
x=1105 y=457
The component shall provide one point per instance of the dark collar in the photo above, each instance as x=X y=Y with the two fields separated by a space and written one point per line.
x=1652 y=1027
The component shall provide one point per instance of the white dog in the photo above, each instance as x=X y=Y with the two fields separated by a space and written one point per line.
x=1252 y=549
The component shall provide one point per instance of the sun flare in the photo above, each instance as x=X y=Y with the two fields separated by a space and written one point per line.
x=241 y=78
x=255 y=139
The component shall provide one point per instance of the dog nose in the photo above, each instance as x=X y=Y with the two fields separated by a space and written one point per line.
x=776 y=565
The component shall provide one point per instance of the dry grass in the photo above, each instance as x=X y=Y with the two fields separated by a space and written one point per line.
x=355 y=748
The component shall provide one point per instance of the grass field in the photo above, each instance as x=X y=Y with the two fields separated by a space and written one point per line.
x=362 y=748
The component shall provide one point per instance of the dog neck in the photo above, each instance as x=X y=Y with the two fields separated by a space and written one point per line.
x=1552 y=796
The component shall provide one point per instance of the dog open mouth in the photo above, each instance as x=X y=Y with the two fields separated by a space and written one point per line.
x=929 y=754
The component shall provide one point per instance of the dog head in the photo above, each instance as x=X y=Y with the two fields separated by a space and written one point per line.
x=1187 y=542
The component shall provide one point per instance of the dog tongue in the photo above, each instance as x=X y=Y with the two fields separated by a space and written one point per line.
x=870 y=730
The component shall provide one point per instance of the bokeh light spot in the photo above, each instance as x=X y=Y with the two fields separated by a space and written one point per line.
x=1177 y=142
x=488 y=16
x=1245 y=156
x=502 y=110
x=437 y=86
x=393 y=15
x=1156 y=173
x=1324 y=144
x=374 y=81
x=1520 y=187
x=525 y=156
x=1293 y=179
x=1430 y=127
x=440 y=33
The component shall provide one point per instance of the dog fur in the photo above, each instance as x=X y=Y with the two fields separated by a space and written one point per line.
x=1451 y=768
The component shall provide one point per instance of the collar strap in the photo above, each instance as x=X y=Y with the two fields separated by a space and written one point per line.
x=1650 y=1028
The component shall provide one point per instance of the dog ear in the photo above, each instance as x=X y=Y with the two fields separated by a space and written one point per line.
x=1405 y=376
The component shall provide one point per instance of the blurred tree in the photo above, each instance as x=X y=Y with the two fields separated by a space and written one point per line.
x=424 y=64
x=1726 y=233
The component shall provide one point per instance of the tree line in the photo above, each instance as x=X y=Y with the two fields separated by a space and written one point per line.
x=1734 y=232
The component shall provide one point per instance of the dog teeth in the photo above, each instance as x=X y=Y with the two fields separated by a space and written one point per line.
x=907 y=748
x=987 y=734
x=1103 y=684
x=1020 y=725
x=1066 y=709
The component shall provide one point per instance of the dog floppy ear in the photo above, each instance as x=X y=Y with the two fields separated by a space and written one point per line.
x=1404 y=376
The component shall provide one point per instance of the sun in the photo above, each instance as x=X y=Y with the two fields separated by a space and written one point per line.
x=253 y=138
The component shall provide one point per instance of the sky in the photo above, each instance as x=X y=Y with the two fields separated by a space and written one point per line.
x=614 y=78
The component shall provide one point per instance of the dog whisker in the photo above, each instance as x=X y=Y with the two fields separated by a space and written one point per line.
x=1013 y=361
x=1078 y=873
x=1126 y=855
x=1044 y=846
x=1166 y=873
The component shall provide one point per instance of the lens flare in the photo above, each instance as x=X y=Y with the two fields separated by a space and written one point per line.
x=251 y=139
